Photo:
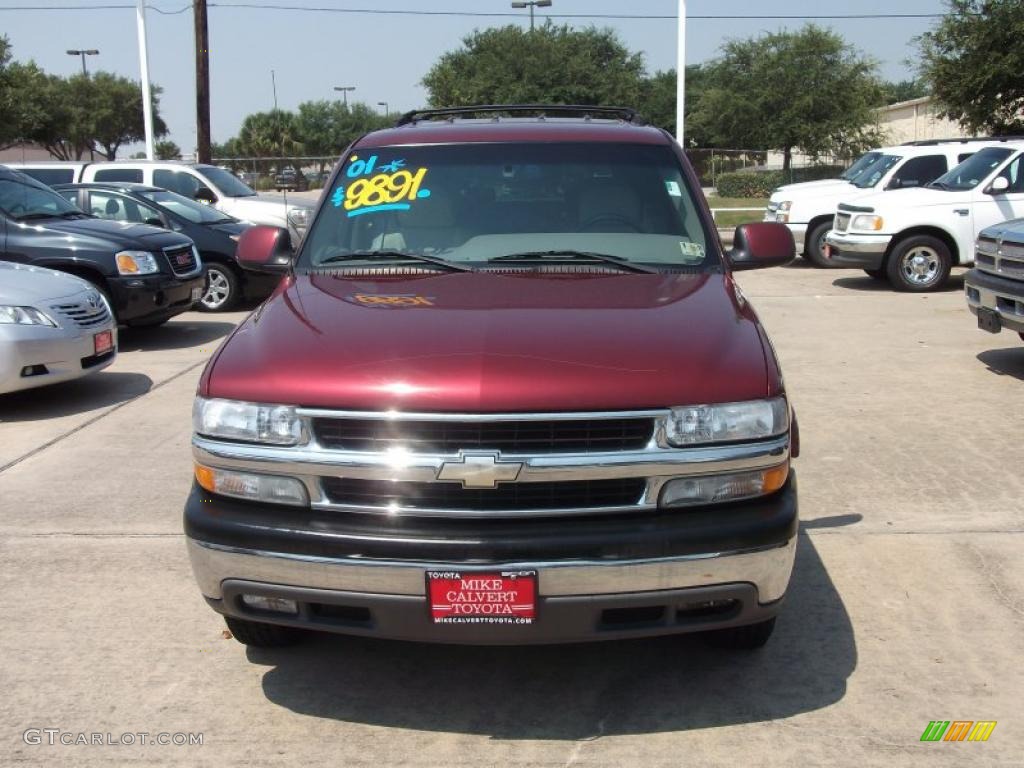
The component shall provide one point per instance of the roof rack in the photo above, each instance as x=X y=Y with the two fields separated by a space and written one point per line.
x=933 y=142
x=583 y=110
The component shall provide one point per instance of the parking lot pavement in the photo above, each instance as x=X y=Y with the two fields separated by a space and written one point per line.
x=905 y=607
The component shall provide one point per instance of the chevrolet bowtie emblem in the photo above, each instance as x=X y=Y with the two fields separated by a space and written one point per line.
x=482 y=471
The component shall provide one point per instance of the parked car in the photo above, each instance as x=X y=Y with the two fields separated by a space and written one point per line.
x=53 y=327
x=913 y=237
x=995 y=287
x=214 y=233
x=147 y=275
x=291 y=180
x=205 y=183
x=809 y=208
x=518 y=398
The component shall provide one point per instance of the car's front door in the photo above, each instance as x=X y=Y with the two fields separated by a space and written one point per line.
x=991 y=207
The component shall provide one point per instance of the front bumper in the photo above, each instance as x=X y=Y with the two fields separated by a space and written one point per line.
x=599 y=577
x=859 y=251
x=66 y=352
x=1003 y=296
x=152 y=298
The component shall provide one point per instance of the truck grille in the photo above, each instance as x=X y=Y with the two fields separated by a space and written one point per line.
x=842 y=222
x=182 y=260
x=1003 y=259
x=506 y=497
x=88 y=312
x=527 y=436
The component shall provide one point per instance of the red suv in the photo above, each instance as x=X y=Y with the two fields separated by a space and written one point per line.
x=508 y=392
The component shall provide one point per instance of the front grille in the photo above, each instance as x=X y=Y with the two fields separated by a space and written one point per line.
x=1004 y=259
x=533 y=437
x=89 y=312
x=842 y=222
x=507 y=497
x=182 y=260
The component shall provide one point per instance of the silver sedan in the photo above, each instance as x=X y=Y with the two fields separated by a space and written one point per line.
x=53 y=327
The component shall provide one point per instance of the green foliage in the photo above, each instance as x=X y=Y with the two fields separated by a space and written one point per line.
x=657 y=102
x=328 y=127
x=552 y=65
x=761 y=183
x=904 y=90
x=973 y=61
x=784 y=90
x=167 y=150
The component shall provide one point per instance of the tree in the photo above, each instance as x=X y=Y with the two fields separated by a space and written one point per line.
x=904 y=90
x=973 y=62
x=167 y=150
x=657 y=102
x=327 y=127
x=113 y=110
x=552 y=64
x=787 y=90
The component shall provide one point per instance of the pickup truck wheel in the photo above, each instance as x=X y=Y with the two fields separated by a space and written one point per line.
x=261 y=635
x=746 y=638
x=919 y=263
x=222 y=288
x=877 y=274
x=814 y=247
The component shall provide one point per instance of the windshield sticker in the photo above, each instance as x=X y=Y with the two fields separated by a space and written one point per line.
x=673 y=188
x=392 y=188
x=691 y=250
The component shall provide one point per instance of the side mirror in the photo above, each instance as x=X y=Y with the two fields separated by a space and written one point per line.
x=265 y=249
x=761 y=244
x=205 y=195
x=155 y=222
x=999 y=185
x=903 y=183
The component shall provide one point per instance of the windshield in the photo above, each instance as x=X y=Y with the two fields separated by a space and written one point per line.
x=225 y=181
x=862 y=162
x=872 y=173
x=476 y=203
x=22 y=198
x=974 y=170
x=195 y=212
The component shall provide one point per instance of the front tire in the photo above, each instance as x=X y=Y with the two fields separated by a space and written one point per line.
x=222 y=288
x=259 y=635
x=919 y=264
x=749 y=637
x=814 y=246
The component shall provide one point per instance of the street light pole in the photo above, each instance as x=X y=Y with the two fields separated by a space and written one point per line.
x=83 y=52
x=531 y=4
x=344 y=92
x=681 y=73
x=273 y=85
x=385 y=105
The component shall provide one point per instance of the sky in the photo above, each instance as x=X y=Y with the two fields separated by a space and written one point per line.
x=386 y=56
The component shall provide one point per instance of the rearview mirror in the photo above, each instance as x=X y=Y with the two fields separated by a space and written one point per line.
x=265 y=249
x=205 y=195
x=999 y=185
x=761 y=244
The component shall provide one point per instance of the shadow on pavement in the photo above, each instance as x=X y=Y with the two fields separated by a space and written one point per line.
x=864 y=283
x=578 y=691
x=1005 y=362
x=175 y=334
x=91 y=393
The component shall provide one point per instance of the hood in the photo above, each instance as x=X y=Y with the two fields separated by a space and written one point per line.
x=22 y=284
x=490 y=342
x=1012 y=230
x=101 y=234
x=911 y=197
x=810 y=186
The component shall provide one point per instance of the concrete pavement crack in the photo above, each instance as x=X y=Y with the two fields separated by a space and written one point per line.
x=94 y=419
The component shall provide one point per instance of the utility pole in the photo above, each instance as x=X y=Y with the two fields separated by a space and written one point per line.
x=681 y=72
x=202 y=82
x=147 y=96
x=273 y=85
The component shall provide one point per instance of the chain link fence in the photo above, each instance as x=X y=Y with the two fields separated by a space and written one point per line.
x=275 y=173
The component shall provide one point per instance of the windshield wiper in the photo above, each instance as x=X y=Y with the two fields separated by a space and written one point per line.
x=35 y=215
x=393 y=255
x=540 y=257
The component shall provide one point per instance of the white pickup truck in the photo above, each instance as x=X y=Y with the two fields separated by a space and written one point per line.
x=206 y=183
x=914 y=237
x=809 y=208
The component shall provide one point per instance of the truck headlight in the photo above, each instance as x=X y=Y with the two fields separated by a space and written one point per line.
x=248 y=422
x=727 y=422
x=299 y=217
x=24 y=316
x=715 y=489
x=870 y=223
x=136 y=263
x=782 y=212
x=252 y=486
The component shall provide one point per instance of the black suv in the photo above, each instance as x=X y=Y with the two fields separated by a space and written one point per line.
x=148 y=274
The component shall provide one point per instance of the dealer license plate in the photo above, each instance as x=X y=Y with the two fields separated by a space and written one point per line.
x=103 y=342
x=499 y=597
x=989 y=320
x=197 y=293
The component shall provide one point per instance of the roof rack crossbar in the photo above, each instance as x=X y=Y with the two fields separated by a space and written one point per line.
x=585 y=110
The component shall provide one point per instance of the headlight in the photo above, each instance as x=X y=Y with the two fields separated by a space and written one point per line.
x=299 y=217
x=250 y=422
x=24 y=316
x=715 y=489
x=236 y=238
x=254 y=487
x=785 y=205
x=753 y=420
x=871 y=223
x=136 y=263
